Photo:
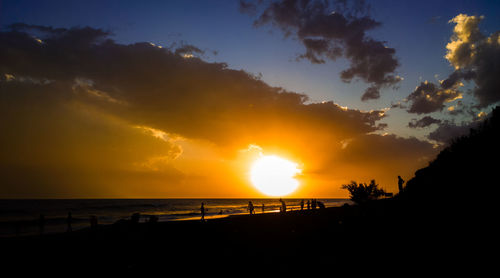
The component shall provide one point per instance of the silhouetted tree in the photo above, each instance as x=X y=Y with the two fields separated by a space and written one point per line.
x=361 y=193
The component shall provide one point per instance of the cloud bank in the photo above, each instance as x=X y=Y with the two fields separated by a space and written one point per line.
x=429 y=97
x=475 y=57
x=82 y=114
x=329 y=30
x=424 y=122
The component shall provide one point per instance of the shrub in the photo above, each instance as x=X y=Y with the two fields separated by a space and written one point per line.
x=361 y=193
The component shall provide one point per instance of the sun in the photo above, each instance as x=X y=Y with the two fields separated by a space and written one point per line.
x=274 y=176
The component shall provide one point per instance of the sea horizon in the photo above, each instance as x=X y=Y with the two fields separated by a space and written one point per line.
x=22 y=216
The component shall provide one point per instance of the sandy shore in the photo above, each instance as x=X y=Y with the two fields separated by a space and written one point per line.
x=322 y=239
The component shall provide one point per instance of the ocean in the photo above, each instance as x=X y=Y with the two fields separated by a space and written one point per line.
x=21 y=217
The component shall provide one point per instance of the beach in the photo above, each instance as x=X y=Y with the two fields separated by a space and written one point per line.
x=22 y=217
x=296 y=239
x=376 y=237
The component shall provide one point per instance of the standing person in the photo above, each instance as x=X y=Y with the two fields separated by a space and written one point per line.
x=263 y=207
x=202 y=210
x=41 y=224
x=308 y=205
x=251 y=208
x=283 y=206
x=93 y=221
x=69 y=219
x=400 y=184
x=313 y=203
x=321 y=205
x=302 y=205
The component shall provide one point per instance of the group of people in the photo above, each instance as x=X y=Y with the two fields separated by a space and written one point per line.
x=311 y=204
x=69 y=222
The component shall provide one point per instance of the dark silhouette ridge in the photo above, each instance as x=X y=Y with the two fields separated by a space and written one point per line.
x=465 y=169
x=461 y=183
x=446 y=208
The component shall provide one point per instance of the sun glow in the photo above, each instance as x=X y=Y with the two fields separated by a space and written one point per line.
x=274 y=176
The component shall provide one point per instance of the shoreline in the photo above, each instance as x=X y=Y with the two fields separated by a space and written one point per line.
x=85 y=228
x=57 y=223
x=321 y=238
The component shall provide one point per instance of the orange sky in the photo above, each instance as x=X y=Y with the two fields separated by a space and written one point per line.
x=107 y=120
x=78 y=147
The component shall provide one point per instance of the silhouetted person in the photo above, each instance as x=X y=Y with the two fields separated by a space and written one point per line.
x=321 y=205
x=251 y=208
x=202 y=210
x=18 y=228
x=302 y=205
x=308 y=205
x=153 y=219
x=283 y=206
x=93 y=221
x=69 y=219
x=400 y=184
x=135 y=218
x=41 y=224
x=263 y=208
x=313 y=204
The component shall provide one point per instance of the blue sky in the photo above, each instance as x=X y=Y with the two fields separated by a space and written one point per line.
x=418 y=30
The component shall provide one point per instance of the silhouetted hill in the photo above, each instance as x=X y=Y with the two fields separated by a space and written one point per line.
x=463 y=179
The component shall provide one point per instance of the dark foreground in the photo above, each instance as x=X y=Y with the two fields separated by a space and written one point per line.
x=374 y=237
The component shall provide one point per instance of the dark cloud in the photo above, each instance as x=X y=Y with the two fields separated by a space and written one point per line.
x=456 y=77
x=476 y=58
x=371 y=93
x=188 y=49
x=54 y=144
x=399 y=104
x=165 y=90
x=247 y=7
x=76 y=99
x=329 y=30
x=424 y=122
x=375 y=147
x=449 y=130
x=377 y=154
x=464 y=109
x=429 y=97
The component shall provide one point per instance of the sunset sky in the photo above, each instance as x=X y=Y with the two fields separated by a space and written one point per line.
x=178 y=99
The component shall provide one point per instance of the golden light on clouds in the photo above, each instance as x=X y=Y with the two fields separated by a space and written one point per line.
x=139 y=121
x=466 y=32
